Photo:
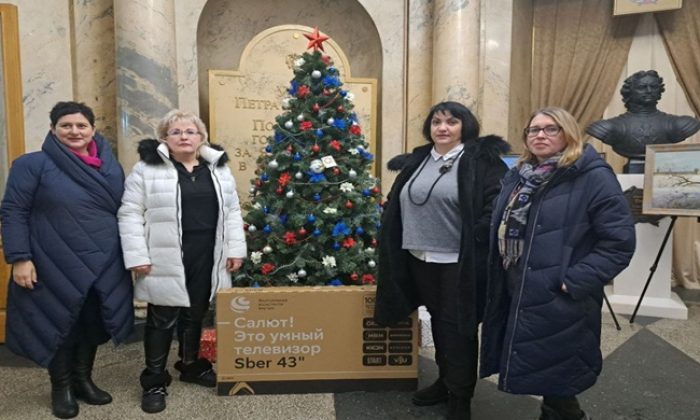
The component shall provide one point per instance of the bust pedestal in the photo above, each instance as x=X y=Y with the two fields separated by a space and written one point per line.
x=659 y=301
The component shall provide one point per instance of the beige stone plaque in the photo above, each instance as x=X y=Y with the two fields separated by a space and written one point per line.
x=243 y=104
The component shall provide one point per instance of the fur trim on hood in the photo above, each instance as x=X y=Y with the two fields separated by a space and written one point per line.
x=491 y=146
x=148 y=152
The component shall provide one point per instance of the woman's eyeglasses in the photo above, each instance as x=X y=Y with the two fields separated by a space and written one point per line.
x=550 y=130
x=178 y=133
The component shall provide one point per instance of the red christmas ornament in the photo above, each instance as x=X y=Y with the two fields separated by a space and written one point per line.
x=290 y=149
x=355 y=129
x=326 y=92
x=267 y=268
x=336 y=171
x=258 y=183
x=284 y=179
x=326 y=59
x=375 y=190
x=373 y=243
x=335 y=144
x=315 y=148
x=368 y=279
x=279 y=191
x=245 y=226
x=348 y=204
x=302 y=91
x=302 y=232
x=340 y=109
x=348 y=243
x=306 y=126
x=354 y=276
x=316 y=40
x=315 y=107
x=289 y=238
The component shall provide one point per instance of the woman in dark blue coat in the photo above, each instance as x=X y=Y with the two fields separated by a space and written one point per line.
x=69 y=291
x=561 y=229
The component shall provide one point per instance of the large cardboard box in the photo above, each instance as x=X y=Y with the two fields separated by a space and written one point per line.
x=310 y=339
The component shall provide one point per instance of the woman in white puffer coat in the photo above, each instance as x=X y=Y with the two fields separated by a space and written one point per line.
x=182 y=235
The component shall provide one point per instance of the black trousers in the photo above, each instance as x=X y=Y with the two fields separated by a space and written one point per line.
x=161 y=321
x=456 y=354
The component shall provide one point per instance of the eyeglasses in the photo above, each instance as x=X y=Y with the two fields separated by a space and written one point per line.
x=550 y=130
x=178 y=133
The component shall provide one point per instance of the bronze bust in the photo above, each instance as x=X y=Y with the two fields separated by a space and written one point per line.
x=643 y=123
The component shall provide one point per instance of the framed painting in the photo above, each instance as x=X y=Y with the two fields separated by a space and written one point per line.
x=626 y=7
x=672 y=180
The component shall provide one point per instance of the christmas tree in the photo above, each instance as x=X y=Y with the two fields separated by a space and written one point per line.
x=315 y=207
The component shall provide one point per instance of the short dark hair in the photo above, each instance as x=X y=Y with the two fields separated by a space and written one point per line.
x=470 y=125
x=626 y=88
x=62 y=109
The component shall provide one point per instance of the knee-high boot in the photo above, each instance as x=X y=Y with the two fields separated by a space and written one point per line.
x=63 y=404
x=192 y=368
x=160 y=322
x=84 y=387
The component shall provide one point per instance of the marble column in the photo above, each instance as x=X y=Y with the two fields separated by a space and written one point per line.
x=456 y=29
x=146 y=70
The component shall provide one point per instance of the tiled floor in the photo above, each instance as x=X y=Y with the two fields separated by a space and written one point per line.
x=651 y=372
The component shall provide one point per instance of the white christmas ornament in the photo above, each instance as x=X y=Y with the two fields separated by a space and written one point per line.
x=316 y=74
x=316 y=166
x=290 y=194
x=371 y=263
x=301 y=273
x=330 y=121
x=352 y=173
x=300 y=117
x=298 y=175
x=267 y=249
x=252 y=228
x=285 y=103
x=273 y=164
x=288 y=125
x=252 y=190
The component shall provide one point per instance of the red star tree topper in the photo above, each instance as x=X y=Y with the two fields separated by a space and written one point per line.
x=316 y=40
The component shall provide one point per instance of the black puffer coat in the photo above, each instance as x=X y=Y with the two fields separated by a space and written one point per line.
x=479 y=173
x=579 y=233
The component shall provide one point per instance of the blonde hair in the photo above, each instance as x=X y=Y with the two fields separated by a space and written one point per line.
x=177 y=116
x=569 y=129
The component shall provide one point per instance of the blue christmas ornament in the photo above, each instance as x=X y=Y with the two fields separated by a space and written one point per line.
x=264 y=177
x=340 y=125
x=359 y=230
x=283 y=219
x=278 y=137
x=268 y=149
x=293 y=87
x=266 y=210
x=317 y=232
x=316 y=178
x=267 y=229
x=335 y=282
x=343 y=93
x=319 y=133
x=331 y=81
x=317 y=197
x=366 y=192
x=340 y=229
x=256 y=284
x=297 y=156
x=332 y=69
x=311 y=218
x=336 y=246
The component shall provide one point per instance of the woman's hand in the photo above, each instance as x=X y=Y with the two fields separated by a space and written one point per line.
x=141 y=269
x=24 y=274
x=233 y=264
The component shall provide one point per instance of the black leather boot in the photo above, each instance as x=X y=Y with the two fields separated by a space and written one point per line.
x=199 y=372
x=83 y=386
x=459 y=408
x=155 y=389
x=63 y=404
x=431 y=395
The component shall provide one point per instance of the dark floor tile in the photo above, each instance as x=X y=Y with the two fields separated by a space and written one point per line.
x=645 y=379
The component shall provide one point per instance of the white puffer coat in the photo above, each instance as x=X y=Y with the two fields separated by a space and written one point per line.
x=151 y=230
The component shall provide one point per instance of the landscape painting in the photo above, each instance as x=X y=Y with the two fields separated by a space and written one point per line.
x=672 y=180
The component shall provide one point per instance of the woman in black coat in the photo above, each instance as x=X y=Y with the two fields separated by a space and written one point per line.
x=561 y=229
x=69 y=291
x=434 y=243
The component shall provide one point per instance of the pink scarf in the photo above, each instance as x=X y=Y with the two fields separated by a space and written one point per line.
x=91 y=159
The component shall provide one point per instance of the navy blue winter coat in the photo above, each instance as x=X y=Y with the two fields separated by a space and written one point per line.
x=61 y=214
x=580 y=233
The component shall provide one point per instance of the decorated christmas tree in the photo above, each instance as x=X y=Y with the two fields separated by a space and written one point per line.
x=315 y=207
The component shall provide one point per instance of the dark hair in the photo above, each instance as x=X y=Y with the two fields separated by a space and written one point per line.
x=470 y=125
x=61 y=109
x=626 y=89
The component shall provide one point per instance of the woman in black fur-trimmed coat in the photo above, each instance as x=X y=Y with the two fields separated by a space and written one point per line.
x=433 y=245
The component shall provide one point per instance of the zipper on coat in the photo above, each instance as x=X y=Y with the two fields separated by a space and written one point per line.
x=220 y=194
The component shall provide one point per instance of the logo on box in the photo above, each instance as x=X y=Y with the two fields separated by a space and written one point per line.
x=240 y=304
